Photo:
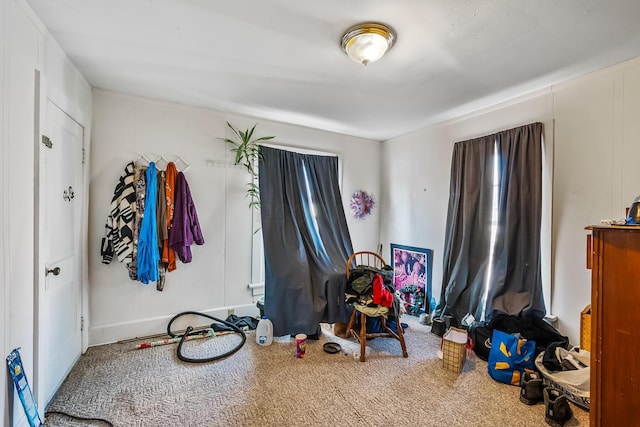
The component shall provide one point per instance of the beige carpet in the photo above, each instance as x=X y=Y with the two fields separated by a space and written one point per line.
x=269 y=386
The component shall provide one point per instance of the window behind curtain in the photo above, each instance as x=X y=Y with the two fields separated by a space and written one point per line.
x=491 y=257
x=257 y=249
x=306 y=241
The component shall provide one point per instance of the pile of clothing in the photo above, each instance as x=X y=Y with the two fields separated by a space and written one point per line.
x=370 y=291
x=151 y=223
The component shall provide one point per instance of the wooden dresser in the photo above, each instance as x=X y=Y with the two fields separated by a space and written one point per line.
x=613 y=254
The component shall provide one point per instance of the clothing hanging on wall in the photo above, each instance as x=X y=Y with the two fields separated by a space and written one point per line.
x=163 y=232
x=185 y=227
x=145 y=204
x=168 y=254
x=120 y=221
x=140 y=178
x=148 y=255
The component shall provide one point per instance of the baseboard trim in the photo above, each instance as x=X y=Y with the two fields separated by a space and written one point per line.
x=107 y=334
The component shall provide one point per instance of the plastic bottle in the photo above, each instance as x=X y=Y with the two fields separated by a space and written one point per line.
x=264 y=331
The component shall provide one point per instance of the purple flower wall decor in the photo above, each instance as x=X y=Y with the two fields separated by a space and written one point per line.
x=362 y=204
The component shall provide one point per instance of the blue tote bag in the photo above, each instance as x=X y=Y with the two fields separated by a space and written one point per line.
x=509 y=357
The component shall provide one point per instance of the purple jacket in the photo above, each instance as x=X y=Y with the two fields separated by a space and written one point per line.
x=185 y=228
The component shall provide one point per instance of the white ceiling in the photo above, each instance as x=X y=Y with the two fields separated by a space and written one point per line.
x=281 y=60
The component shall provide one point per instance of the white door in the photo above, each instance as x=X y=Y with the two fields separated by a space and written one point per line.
x=59 y=303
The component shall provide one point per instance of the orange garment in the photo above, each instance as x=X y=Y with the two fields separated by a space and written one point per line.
x=168 y=254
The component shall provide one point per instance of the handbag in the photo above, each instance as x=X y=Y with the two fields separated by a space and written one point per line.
x=509 y=357
x=481 y=336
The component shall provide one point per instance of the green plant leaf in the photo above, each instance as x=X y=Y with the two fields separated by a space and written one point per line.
x=247 y=152
x=234 y=130
x=264 y=138
x=250 y=133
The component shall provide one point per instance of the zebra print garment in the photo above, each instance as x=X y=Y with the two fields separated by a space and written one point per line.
x=120 y=222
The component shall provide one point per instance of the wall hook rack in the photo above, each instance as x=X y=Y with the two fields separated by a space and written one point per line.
x=161 y=161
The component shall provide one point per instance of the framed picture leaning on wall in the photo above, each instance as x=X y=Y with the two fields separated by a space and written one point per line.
x=412 y=270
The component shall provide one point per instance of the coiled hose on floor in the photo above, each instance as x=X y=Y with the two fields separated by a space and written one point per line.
x=189 y=331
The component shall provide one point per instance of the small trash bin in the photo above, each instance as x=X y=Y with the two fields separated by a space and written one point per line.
x=454 y=349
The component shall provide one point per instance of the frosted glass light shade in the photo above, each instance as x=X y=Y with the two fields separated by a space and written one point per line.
x=365 y=43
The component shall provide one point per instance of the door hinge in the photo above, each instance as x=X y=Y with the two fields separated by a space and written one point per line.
x=83 y=155
x=46 y=141
x=81 y=323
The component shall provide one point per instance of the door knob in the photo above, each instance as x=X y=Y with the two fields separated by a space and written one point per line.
x=55 y=271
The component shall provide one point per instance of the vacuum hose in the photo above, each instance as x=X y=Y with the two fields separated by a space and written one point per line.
x=189 y=331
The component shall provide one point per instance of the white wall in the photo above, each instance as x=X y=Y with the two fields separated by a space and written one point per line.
x=217 y=280
x=596 y=148
x=26 y=46
x=19 y=63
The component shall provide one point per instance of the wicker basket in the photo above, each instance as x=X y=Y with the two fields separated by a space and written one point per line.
x=585 y=328
x=454 y=349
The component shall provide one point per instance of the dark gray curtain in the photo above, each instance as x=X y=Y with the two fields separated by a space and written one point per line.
x=306 y=241
x=515 y=285
x=467 y=234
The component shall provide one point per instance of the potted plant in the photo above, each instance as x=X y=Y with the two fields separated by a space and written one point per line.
x=247 y=153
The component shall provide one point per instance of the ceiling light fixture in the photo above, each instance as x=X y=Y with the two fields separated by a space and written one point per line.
x=368 y=42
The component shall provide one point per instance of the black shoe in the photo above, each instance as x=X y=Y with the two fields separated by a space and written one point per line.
x=531 y=388
x=556 y=407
